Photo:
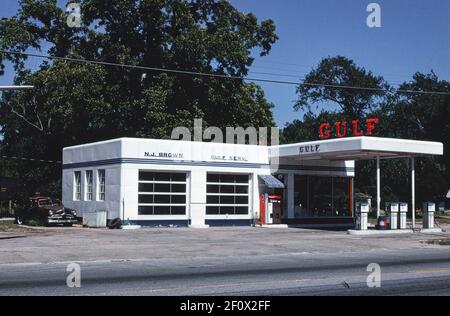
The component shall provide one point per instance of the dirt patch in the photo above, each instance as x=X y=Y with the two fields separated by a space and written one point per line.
x=443 y=220
x=440 y=242
x=10 y=227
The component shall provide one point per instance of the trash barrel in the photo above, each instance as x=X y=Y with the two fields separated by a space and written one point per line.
x=382 y=223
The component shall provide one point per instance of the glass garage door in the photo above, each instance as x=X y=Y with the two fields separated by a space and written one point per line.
x=162 y=193
x=227 y=194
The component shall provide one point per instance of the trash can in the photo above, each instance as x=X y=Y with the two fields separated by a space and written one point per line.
x=95 y=219
x=392 y=210
x=362 y=211
x=403 y=211
x=428 y=214
x=382 y=223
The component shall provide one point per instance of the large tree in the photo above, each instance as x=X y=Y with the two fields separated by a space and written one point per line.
x=75 y=103
x=410 y=112
x=425 y=115
x=340 y=82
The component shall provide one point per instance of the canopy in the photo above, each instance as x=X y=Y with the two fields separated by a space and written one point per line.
x=271 y=182
x=357 y=148
x=360 y=148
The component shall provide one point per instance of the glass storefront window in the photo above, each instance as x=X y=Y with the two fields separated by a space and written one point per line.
x=301 y=197
x=320 y=196
x=341 y=197
x=316 y=196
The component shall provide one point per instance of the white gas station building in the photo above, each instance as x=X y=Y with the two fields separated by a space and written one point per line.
x=152 y=182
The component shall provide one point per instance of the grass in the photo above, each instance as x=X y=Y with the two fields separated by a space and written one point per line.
x=34 y=222
x=11 y=227
x=6 y=226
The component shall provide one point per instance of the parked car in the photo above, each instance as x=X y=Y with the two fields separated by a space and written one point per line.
x=46 y=210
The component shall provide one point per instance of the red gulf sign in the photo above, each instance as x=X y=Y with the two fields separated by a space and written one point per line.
x=339 y=129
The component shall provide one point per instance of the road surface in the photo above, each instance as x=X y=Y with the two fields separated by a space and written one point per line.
x=403 y=272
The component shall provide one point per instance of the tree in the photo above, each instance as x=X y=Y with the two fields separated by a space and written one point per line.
x=319 y=86
x=420 y=116
x=204 y=36
x=75 y=103
x=426 y=116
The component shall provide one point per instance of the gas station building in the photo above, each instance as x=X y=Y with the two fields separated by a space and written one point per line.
x=152 y=182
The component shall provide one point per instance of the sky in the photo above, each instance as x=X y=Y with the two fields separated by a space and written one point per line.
x=414 y=36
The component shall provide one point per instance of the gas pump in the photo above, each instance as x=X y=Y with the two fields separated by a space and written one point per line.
x=270 y=209
x=275 y=209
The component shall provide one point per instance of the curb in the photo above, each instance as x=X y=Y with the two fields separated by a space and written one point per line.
x=12 y=237
x=379 y=232
x=7 y=219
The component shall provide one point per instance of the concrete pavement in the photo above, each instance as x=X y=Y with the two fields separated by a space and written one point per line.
x=81 y=244
x=404 y=272
x=221 y=261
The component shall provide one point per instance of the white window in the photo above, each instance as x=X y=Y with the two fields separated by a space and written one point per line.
x=101 y=185
x=89 y=184
x=227 y=194
x=77 y=186
x=162 y=193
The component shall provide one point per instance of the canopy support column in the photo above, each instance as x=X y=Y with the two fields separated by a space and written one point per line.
x=378 y=187
x=413 y=191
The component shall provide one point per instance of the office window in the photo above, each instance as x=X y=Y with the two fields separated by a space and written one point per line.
x=316 y=196
x=227 y=194
x=89 y=183
x=162 y=193
x=101 y=184
x=77 y=186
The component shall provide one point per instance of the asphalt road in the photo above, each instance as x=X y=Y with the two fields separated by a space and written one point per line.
x=403 y=272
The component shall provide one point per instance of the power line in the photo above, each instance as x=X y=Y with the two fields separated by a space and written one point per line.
x=29 y=159
x=301 y=74
x=260 y=60
x=202 y=74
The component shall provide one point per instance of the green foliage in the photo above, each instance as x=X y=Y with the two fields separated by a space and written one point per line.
x=341 y=71
x=402 y=115
x=75 y=103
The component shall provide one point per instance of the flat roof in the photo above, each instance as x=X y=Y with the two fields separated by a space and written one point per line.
x=351 y=148
x=144 y=141
x=357 y=148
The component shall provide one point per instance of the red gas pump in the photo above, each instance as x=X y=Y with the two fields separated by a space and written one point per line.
x=262 y=209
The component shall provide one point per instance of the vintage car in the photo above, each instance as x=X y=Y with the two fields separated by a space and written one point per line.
x=47 y=211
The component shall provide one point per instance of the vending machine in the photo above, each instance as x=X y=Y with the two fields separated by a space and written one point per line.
x=271 y=211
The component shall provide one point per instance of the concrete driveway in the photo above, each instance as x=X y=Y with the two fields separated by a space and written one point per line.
x=58 y=244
